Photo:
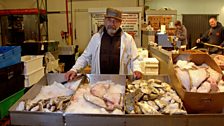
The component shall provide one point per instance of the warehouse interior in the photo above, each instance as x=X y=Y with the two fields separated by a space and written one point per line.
x=42 y=40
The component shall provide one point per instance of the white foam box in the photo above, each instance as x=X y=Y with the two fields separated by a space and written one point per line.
x=32 y=63
x=151 y=66
x=151 y=70
x=34 y=77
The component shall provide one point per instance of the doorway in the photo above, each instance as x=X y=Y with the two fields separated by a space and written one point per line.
x=196 y=25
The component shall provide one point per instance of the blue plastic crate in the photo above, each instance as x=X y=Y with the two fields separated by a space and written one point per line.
x=9 y=55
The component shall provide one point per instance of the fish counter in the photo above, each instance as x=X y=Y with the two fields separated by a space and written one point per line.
x=106 y=100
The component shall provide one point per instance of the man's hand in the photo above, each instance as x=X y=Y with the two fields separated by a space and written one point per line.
x=70 y=75
x=137 y=75
x=198 y=40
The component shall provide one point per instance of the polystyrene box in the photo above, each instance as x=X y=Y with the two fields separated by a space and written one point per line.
x=151 y=62
x=151 y=66
x=151 y=70
x=32 y=63
x=34 y=77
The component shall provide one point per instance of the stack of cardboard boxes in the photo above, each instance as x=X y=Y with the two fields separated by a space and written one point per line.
x=157 y=21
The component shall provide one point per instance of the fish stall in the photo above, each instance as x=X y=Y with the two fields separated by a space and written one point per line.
x=100 y=100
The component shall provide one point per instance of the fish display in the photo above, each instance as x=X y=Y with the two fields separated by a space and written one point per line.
x=56 y=104
x=51 y=98
x=198 y=78
x=152 y=97
x=106 y=97
x=103 y=97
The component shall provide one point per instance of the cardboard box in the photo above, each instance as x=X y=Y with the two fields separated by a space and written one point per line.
x=198 y=102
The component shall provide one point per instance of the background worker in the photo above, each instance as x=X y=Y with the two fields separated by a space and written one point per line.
x=181 y=33
x=215 y=35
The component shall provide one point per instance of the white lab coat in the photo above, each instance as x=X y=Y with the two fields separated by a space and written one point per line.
x=91 y=55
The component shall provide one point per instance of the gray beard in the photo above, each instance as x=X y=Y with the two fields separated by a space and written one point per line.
x=112 y=31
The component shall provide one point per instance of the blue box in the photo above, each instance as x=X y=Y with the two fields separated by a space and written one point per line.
x=164 y=41
x=9 y=55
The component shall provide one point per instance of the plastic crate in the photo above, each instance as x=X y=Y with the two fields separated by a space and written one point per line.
x=51 y=46
x=9 y=101
x=9 y=72
x=32 y=63
x=39 y=47
x=66 y=50
x=34 y=77
x=10 y=86
x=9 y=55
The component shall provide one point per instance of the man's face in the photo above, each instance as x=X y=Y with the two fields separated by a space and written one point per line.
x=212 y=22
x=112 y=25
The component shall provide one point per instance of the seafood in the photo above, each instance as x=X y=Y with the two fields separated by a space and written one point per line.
x=184 y=78
x=57 y=104
x=51 y=91
x=197 y=78
x=103 y=97
x=204 y=88
x=95 y=100
x=152 y=97
x=99 y=90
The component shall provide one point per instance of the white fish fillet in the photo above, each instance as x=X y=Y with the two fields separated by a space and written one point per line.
x=99 y=89
x=184 y=78
x=214 y=74
x=198 y=76
x=185 y=64
x=204 y=88
x=221 y=86
x=54 y=90
x=95 y=100
x=80 y=105
x=85 y=102
x=114 y=100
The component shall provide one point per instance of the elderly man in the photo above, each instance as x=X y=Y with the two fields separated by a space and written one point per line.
x=215 y=35
x=110 y=51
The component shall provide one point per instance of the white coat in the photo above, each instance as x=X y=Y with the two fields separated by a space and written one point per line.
x=91 y=55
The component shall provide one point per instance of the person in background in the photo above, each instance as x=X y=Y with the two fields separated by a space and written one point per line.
x=215 y=35
x=110 y=50
x=181 y=33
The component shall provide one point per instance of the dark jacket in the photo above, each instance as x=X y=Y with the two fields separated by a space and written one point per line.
x=214 y=35
x=181 y=34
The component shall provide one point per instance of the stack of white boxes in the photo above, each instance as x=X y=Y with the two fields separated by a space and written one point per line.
x=33 y=69
x=151 y=66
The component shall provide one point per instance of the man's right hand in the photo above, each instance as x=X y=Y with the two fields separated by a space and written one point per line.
x=70 y=75
x=198 y=40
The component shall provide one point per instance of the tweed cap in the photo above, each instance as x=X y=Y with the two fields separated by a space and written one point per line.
x=113 y=13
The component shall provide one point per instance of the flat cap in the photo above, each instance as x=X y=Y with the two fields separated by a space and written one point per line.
x=113 y=13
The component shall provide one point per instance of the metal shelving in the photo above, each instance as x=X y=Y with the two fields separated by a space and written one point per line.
x=33 y=22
